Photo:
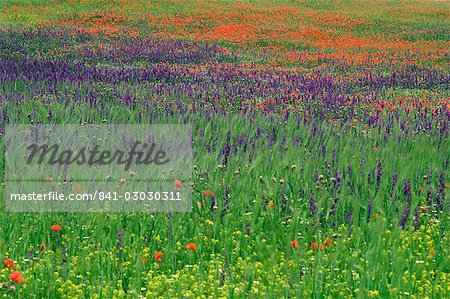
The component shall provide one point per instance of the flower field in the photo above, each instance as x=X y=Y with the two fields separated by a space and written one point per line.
x=321 y=146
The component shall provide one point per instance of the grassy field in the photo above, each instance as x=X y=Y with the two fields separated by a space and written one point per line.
x=320 y=146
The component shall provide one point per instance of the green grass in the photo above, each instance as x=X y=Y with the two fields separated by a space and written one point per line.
x=377 y=255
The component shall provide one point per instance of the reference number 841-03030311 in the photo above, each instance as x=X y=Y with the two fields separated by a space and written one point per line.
x=139 y=195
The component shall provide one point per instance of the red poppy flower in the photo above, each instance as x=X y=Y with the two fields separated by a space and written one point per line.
x=17 y=277
x=56 y=228
x=178 y=183
x=295 y=244
x=9 y=263
x=208 y=193
x=328 y=242
x=314 y=246
x=271 y=204
x=42 y=247
x=191 y=246
x=432 y=251
x=158 y=256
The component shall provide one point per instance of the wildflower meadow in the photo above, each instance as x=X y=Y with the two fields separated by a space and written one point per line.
x=320 y=146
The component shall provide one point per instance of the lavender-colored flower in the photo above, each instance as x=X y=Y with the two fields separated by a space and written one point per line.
x=348 y=217
x=369 y=178
x=440 y=193
x=316 y=176
x=226 y=153
x=31 y=254
x=369 y=209
x=337 y=182
x=405 y=215
x=333 y=207
x=312 y=207
x=394 y=182
x=349 y=169
x=213 y=203
x=379 y=173
x=407 y=190
x=363 y=162
x=247 y=229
